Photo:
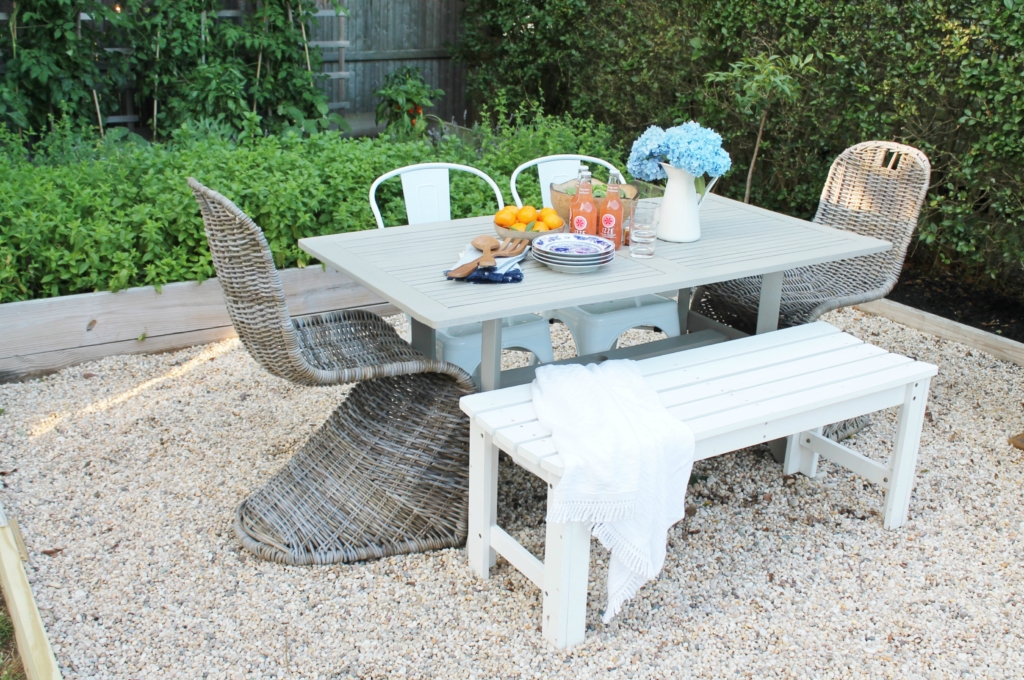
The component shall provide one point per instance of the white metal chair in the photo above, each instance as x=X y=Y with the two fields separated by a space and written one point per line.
x=553 y=170
x=597 y=327
x=428 y=199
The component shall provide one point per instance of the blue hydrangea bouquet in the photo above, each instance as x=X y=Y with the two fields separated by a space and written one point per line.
x=683 y=154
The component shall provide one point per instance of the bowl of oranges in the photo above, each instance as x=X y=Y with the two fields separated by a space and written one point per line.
x=527 y=222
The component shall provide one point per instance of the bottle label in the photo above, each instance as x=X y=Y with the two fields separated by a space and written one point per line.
x=608 y=226
x=579 y=224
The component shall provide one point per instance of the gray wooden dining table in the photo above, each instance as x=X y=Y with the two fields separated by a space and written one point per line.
x=405 y=266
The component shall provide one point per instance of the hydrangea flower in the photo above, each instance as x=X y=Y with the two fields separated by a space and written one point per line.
x=689 y=146
x=646 y=154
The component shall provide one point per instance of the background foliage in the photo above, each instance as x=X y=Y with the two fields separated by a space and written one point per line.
x=946 y=76
x=82 y=214
x=226 y=69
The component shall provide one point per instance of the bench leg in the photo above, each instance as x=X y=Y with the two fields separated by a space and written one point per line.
x=800 y=457
x=904 y=454
x=566 y=574
x=483 y=500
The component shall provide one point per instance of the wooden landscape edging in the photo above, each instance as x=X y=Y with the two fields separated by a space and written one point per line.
x=999 y=347
x=42 y=336
x=33 y=646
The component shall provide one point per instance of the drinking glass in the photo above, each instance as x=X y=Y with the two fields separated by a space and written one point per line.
x=643 y=229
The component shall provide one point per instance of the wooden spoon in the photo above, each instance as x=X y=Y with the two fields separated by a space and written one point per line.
x=486 y=244
x=509 y=248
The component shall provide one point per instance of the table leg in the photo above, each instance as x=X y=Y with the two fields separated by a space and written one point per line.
x=490 y=356
x=683 y=305
x=771 y=300
x=767 y=321
x=424 y=339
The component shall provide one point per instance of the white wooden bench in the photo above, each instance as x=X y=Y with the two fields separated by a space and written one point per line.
x=789 y=383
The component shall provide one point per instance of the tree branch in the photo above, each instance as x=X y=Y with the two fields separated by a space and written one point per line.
x=753 y=159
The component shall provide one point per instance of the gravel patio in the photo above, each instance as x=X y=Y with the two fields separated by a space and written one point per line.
x=125 y=473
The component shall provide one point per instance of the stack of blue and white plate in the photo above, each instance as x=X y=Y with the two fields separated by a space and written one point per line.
x=573 y=253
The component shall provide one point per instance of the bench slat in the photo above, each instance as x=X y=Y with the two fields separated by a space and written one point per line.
x=870 y=370
x=753 y=424
x=493 y=421
x=510 y=438
x=833 y=392
x=813 y=416
x=529 y=442
x=769 y=376
x=736 y=348
x=725 y=393
x=475 y=404
x=823 y=351
x=754 y=360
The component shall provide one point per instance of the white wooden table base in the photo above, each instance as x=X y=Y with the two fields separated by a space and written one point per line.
x=733 y=395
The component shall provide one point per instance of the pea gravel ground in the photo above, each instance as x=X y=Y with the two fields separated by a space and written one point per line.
x=124 y=474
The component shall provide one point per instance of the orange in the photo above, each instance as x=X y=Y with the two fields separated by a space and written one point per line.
x=539 y=226
x=544 y=212
x=553 y=221
x=505 y=218
x=526 y=214
x=518 y=226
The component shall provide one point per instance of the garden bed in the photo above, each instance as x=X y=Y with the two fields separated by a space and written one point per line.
x=959 y=299
x=129 y=470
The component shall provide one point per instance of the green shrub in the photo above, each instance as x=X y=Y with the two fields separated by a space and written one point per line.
x=82 y=216
x=946 y=76
x=182 y=62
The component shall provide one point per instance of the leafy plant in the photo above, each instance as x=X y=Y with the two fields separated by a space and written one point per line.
x=52 y=59
x=402 y=99
x=83 y=214
x=757 y=82
x=184 y=62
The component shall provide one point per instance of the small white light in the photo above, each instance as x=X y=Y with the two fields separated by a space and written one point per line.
x=117 y=8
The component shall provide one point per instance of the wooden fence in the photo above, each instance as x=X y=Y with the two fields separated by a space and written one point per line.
x=387 y=34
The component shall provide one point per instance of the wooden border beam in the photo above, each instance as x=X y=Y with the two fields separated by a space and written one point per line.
x=33 y=645
x=997 y=346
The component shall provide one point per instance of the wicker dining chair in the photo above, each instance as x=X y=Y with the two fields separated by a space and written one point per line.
x=874 y=189
x=388 y=472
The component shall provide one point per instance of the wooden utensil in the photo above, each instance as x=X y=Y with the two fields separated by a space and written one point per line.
x=486 y=244
x=509 y=248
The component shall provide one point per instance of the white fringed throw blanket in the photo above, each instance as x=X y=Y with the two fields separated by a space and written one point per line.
x=627 y=464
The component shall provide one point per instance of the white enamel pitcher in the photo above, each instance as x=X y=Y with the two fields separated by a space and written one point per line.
x=680 y=206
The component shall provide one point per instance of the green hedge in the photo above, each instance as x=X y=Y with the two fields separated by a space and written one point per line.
x=82 y=216
x=946 y=76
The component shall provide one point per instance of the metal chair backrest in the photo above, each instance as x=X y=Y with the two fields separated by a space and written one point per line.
x=426 y=190
x=877 y=189
x=554 y=170
x=252 y=288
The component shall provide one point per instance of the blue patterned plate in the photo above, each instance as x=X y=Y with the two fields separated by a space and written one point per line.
x=573 y=245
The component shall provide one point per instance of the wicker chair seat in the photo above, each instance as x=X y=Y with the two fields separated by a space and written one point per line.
x=807 y=293
x=388 y=472
x=357 y=341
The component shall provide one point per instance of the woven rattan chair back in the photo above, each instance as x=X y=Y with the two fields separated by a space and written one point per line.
x=252 y=288
x=877 y=189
